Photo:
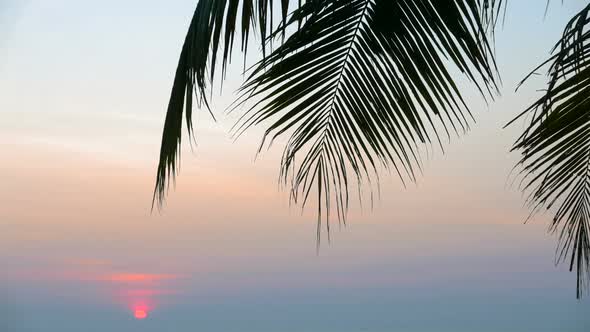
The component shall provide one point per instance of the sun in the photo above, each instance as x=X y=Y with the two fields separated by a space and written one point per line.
x=140 y=314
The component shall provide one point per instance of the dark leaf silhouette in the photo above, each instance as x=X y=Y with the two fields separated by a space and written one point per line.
x=384 y=64
x=556 y=147
x=210 y=36
x=361 y=86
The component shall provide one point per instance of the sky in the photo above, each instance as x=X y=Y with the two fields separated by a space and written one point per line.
x=84 y=86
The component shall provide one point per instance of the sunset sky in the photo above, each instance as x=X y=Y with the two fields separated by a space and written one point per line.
x=84 y=87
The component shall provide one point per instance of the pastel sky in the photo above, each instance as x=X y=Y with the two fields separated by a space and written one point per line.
x=83 y=90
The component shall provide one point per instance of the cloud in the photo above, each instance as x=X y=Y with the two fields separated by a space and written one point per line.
x=137 y=277
x=131 y=293
x=89 y=262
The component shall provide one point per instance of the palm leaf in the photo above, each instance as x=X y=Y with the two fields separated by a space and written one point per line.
x=361 y=86
x=491 y=10
x=212 y=31
x=555 y=147
x=214 y=26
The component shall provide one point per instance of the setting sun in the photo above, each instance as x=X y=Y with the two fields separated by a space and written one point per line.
x=140 y=314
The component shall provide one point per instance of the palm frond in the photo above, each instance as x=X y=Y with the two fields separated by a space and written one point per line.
x=210 y=38
x=212 y=31
x=361 y=86
x=555 y=147
x=490 y=13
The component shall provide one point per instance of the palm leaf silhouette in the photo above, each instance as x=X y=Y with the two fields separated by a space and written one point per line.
x=361 y=85
x=212 y=31
x=555 y=147
x=358 y=84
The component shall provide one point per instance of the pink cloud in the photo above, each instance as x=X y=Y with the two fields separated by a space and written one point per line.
x=137 y=277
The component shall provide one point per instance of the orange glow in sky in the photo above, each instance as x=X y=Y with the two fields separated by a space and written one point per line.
x=140 y=314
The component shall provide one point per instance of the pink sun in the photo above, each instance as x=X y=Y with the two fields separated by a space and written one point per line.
x=140 y=314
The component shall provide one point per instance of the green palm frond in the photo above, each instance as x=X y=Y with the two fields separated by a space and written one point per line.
x=555 y=147
x=361 y=86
